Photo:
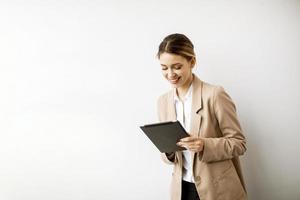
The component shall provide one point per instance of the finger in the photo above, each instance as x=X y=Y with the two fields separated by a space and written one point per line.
x=193 y=147
x=188 y=145
x=184 y=145
x=191 y=142
x=188 y=139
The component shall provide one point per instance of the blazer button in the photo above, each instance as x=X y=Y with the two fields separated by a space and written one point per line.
x=198 y=179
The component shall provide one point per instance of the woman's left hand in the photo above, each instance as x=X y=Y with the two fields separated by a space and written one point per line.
x=192 y=143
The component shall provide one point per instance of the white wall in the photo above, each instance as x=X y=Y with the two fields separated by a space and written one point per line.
x=77 y=78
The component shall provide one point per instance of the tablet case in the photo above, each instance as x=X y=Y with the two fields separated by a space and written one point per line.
x=165 y=135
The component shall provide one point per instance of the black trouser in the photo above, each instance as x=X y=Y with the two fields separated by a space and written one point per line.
x=189 y=191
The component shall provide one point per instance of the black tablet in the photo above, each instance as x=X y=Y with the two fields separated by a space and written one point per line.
x=165 y=135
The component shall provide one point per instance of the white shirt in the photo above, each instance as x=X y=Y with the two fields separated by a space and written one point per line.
x=183 y=115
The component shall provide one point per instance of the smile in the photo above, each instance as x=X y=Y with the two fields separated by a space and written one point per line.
x=174 y=81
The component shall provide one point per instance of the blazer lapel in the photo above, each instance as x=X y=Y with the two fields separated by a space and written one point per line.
x=195 y=111
x=196 y=106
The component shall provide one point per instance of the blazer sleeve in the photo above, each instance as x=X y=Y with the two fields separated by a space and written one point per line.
x=232 y=143
x=169 y=158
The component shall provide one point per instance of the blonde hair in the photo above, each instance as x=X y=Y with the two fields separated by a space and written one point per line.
x=177 y=43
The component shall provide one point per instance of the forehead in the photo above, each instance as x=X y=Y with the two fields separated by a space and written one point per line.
x=170 y=59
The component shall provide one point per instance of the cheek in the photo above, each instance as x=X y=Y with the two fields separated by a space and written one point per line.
x=185 y=73
x=180 y=73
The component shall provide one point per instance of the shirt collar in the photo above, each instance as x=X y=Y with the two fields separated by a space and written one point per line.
x=187 y=95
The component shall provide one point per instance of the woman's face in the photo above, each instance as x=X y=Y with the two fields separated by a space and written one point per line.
x=176 y=69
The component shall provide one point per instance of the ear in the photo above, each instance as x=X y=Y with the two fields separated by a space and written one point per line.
x=193 y=62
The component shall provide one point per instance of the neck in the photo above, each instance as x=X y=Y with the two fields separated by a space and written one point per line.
x=181 y=91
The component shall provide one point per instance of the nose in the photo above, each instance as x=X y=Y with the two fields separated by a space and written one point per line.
x=171 y=74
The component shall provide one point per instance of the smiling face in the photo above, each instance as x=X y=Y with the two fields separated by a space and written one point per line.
x=177 y=70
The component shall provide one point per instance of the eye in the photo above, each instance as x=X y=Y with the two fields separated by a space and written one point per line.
x=178 y=67
x=164 y=68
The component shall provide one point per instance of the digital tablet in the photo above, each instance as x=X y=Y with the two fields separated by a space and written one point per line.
x=165 y=135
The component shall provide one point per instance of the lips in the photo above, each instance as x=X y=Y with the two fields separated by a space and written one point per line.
x=174 y=81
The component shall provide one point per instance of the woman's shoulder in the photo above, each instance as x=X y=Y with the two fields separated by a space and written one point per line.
x=210 y=89
x=205 y=86
x=215 y=93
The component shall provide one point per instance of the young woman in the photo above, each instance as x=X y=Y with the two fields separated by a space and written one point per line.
x=209 y=168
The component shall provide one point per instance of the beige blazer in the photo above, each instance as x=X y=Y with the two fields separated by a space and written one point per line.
x=216 y=170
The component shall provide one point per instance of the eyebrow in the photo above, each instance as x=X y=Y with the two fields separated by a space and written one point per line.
x=171 y=65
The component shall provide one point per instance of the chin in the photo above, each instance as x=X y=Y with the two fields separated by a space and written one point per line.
x=176 y=85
